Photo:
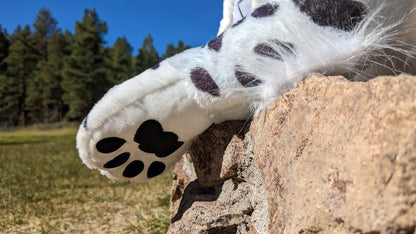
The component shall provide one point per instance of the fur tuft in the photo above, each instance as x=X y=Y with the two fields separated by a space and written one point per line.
x=376 y=46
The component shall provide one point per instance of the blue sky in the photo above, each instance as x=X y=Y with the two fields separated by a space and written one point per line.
x=193 y=21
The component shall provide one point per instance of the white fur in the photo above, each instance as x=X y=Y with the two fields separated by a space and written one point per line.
x=227 y=19
x=231 y=15
x=168 y=95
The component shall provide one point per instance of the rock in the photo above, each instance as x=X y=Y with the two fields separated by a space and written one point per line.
x=342 y=156
x=217 y=152
x=232 y=197
x=330 y=156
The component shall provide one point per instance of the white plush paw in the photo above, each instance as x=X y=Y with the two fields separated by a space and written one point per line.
x=144 y=153
x=141 y=127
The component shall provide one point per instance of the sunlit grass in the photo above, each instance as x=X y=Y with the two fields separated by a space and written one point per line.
x=44 y=187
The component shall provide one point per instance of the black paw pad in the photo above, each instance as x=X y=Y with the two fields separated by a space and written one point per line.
x=110 y=144
x=117 y=161
x=155 y=169
x=204 y=82
x=133 y=169
x=152 y=139
x=265 y=10
x=344 y=14
x=216 y=43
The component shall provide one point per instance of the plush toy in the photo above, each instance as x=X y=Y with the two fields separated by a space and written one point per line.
x=143 y=126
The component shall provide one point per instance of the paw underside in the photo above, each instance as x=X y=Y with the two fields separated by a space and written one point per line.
x=151 y=139
x=167 y=123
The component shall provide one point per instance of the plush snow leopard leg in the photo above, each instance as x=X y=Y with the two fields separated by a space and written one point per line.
x=142 y=126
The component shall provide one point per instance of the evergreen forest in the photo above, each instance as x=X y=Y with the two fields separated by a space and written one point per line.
x=49 y=75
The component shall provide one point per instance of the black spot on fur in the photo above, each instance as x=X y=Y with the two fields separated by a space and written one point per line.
x=152 y=139
x=246 y=79
x=216 y=43
x=85 y=123
x=204 y=82
x=340 y=14
x=266 y=50
x=133 y=169
x=118 y=161
x=155 y=169
x=265 y=10
x=155 y=67
x=285 y=47
x=110 y=144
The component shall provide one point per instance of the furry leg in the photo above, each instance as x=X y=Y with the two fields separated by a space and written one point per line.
x=142 y=126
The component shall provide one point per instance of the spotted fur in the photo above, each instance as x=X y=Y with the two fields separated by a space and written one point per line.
x=143 y=126
x=344 y=15
x=216 y=43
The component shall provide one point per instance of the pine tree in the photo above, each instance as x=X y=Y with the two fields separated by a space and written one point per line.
x=107 y=60
x=50 y=72
x=147 y=56
x=121 y=61
x=85 y=76
x=172 y=50
x=45 y=26
x=4 y=51
x=21 y=62
x=4 y=48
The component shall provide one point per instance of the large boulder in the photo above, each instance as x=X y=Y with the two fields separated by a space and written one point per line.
x=330 y=156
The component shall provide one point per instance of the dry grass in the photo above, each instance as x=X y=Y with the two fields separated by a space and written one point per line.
x=44 y=187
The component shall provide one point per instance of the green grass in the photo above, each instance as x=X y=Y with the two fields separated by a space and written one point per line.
x=44 y=187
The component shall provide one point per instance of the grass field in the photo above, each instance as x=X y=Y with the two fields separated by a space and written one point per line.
x=44 y=187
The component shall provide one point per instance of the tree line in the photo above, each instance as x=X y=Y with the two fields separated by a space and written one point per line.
x=49 y=75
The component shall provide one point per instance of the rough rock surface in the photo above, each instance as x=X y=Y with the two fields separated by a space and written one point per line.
x=331 y=156
x=229 y=195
